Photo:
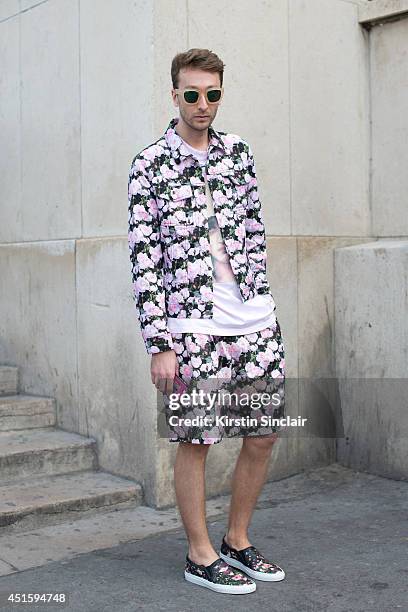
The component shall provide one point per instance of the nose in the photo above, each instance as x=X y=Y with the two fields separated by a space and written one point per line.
x=202 y=102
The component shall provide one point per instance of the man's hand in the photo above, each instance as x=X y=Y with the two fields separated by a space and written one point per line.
x=163 y=367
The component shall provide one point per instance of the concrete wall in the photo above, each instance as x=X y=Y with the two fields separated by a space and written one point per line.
x=73 y=114
x=371 y=291
x=371 y=287
x=389 y=95
x=85 y=90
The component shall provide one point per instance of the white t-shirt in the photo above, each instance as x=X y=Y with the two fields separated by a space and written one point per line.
x=231 y=316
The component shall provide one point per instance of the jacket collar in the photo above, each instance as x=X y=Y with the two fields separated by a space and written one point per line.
x=175 y=141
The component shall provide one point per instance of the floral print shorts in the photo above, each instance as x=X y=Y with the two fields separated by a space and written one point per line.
x=238 y=382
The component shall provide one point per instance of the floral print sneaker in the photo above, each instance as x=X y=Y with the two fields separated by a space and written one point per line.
x=252 y=562
x=218 y=576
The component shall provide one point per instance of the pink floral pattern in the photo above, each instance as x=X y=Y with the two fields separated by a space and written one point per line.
x=168 y=233
x=250 y=364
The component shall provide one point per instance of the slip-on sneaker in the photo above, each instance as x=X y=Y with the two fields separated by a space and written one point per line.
x=218 y=576
x=252 y=562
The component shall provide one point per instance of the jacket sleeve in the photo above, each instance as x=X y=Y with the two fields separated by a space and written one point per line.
x=146 y=258
x=255 y=230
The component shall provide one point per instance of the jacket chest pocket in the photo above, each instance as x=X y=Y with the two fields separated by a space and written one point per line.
x=176 y=226
x=174 y=200
x=237 y=188
x=234 y=185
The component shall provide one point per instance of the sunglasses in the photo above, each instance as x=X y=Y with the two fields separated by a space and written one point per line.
x=191 y=96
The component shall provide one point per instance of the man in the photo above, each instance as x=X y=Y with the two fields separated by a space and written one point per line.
x=198 y=253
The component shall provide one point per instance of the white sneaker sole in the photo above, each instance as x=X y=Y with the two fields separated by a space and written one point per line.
x=220 y=588
x=276 y=577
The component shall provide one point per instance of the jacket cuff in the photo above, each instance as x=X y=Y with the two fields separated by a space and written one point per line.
x=159 y=344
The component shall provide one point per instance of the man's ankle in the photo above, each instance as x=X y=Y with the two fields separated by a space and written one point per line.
x=203 y=555
x=237 y=540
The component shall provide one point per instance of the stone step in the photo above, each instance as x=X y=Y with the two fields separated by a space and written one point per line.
x=34 y=452
x=26 y=412
x=40 y=497
x=8 y=379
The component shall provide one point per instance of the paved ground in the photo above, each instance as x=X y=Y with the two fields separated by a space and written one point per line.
x=341 y=536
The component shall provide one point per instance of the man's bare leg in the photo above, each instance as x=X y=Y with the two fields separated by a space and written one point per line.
x=189 y=482
x=247 y=482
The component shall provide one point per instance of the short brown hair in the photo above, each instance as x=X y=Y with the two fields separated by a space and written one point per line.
x=196 y=58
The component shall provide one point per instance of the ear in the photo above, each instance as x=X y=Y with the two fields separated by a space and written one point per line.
x=174 y=97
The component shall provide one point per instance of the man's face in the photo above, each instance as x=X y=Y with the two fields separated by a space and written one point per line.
x=197 y=116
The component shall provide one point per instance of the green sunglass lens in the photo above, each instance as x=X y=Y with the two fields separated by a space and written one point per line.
x=213 y=95
x=191 y=96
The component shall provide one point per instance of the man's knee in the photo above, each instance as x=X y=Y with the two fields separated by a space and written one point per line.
x=260 y=445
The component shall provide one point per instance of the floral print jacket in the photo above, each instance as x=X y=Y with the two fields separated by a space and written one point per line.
x=168 y=232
